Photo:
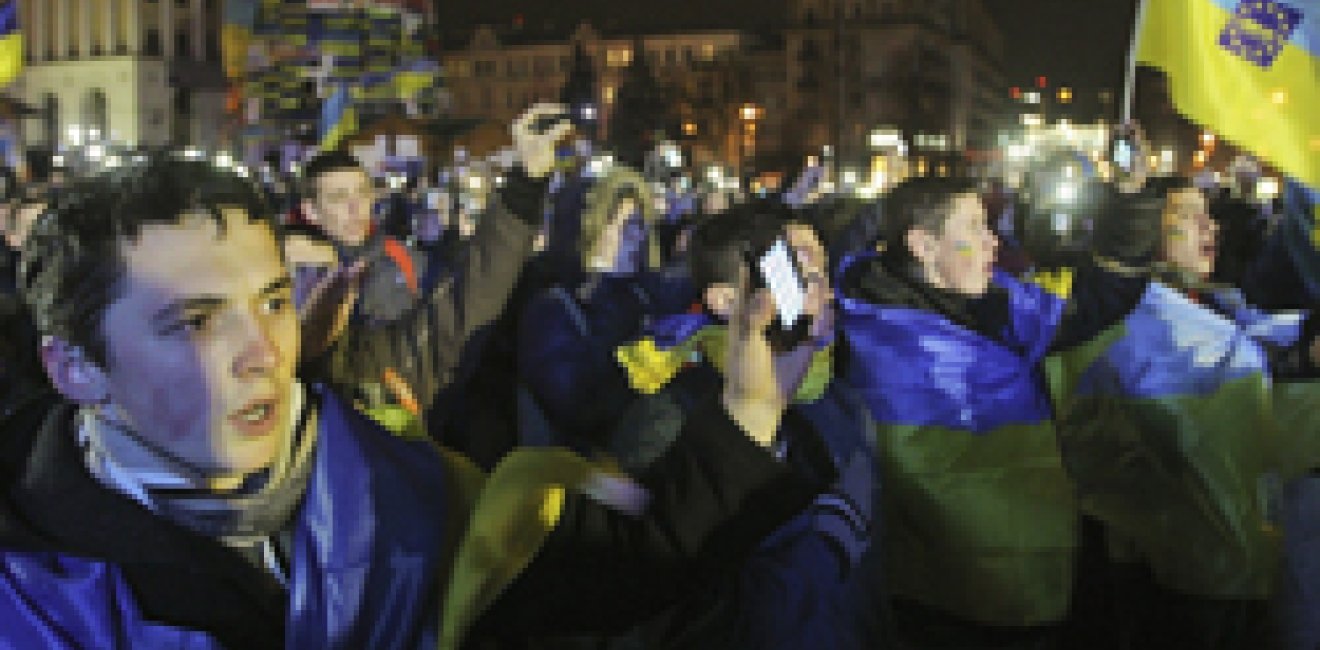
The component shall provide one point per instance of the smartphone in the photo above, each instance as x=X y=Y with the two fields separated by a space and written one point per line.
x=1124 y=152
x=546 y=122
x=1123 y=155
x=776 y=269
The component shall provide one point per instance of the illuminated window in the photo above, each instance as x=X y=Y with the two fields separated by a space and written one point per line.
x=618 y=58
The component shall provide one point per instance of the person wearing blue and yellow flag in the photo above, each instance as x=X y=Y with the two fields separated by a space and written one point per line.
x=807 y=584
x=189 y=487
x=1177 y=435
x=981 y=519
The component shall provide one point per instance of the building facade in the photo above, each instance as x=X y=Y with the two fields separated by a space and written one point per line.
x=496 y=78
x=133 y=72
x=928 y=69
x=493 y=77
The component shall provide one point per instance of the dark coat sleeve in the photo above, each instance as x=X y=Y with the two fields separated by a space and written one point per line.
x=1100 y=299
x=715 y=495
x=566 y=359
x=426 y=344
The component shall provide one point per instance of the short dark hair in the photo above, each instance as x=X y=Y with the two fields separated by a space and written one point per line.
x=73 y=263
x=325 y=162
x=720 y=244
x=925 y=203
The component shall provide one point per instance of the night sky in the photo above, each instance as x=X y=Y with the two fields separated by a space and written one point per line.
x=1081 y=42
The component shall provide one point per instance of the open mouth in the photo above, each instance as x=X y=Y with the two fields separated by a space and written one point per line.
x=257 y=418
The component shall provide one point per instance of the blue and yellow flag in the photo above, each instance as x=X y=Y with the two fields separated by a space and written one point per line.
x=11 y=42
x=1248 y=69
x=338 y=118
x=236 y=35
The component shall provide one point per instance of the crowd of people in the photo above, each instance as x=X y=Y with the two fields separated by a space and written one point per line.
x=579 y=418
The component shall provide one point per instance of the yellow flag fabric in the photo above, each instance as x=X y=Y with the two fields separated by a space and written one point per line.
x=11 y=43
x=1247 y=69
x=338 y=118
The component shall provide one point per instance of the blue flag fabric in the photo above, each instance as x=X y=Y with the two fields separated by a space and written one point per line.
x=916 y=367
x=1174 y=347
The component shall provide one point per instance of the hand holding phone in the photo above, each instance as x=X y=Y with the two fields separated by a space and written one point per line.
x=776 y=269
x=535 y=134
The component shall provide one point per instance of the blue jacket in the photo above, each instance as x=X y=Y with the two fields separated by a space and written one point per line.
x=567 y=341
x=368 y=543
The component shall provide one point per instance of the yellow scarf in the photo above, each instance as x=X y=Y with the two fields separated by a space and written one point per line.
x=650 y=368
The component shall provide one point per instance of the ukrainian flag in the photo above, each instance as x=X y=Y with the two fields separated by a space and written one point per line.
x=11 y=42
x=236 y=35
x=1169 y=423
x=338 y=118
x=1249 y=69
x=415 y=77
x=981 y=519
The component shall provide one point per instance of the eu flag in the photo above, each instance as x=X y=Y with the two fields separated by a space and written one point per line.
x=1248 y=69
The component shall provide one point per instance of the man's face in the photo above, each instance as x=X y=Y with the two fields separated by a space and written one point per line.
x=961 y=257
x=201 y=345
x=343 y=205
x=1190 y=235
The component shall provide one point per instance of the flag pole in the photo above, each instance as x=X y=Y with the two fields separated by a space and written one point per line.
x=1130 y=80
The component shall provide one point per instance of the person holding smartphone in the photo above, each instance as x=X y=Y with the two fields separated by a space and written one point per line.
x=807 y=583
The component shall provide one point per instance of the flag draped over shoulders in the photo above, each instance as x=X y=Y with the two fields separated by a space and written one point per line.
x=980 y=518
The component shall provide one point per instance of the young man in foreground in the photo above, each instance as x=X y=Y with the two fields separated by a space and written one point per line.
x=189 y=491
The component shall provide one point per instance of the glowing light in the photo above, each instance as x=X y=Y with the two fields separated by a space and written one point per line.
x=1267 y=189
x=1207 y=139
x=1279 y=96
x=1066 y=192
x=689 y=128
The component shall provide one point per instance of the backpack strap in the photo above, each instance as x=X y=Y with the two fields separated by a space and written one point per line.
x=404 y=261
